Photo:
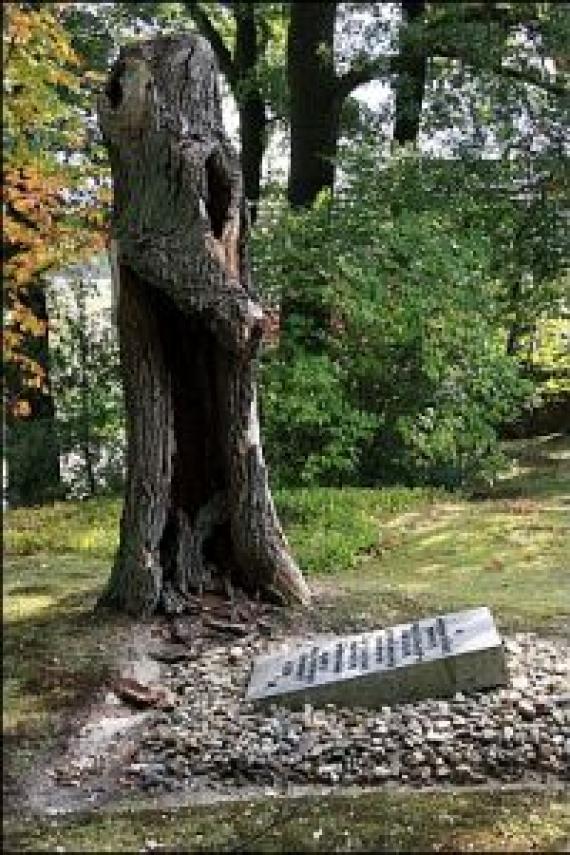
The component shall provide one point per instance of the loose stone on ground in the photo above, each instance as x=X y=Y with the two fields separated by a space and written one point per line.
x=215 y=738
x=213 y=741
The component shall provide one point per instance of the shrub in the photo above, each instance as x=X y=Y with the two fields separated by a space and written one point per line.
x=313 y=433
x=392 y=365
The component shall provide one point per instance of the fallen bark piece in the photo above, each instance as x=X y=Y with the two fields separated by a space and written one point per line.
x=141 y=696
x=265 y=626
x=240 y=629
x=215 y=601
x=170 y=653
x=182 y=631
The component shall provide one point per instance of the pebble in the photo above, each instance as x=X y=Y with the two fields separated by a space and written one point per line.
x=215 y=738
x=235 y=654
x=527 y=710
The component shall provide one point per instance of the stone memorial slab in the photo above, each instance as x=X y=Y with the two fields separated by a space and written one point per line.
x=432 y=657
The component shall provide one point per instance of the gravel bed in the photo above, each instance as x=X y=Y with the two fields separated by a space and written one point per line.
x=213 y=738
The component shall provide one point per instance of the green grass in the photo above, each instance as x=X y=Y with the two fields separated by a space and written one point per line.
x=387 y=554
x=509 y=550
x=330 y=529
x=390 y=822
x=90 y=528
x=371 y=555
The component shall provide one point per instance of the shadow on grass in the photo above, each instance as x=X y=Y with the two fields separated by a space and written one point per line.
x=32 y=589
x=54 y=661
x=541 y=470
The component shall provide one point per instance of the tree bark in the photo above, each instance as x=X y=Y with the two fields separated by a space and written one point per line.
x=198 y=510
x=315 y=100
x=252 y=113
x=240 y=71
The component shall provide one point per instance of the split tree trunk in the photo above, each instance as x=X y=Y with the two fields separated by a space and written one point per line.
x=198 y=512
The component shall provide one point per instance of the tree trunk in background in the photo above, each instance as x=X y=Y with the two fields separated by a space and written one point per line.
x=198 y=510
x=252 y=116
x=32 y=446
x=411 y=78
x=314 y=100
x=315 y=105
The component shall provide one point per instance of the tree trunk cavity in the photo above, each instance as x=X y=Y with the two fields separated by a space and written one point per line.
x=198 y=511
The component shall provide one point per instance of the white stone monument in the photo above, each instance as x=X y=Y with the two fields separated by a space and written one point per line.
x=432 y=657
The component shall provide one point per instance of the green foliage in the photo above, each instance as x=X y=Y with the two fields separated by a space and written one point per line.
x=393 y=365
x=331 y=529
x=313 y=433
x=550 y=356
x=87 y=386
x=32 y=447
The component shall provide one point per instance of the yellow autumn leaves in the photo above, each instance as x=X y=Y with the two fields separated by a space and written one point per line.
x=43 y=83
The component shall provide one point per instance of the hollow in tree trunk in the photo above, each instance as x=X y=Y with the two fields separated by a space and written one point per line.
x=198 y=512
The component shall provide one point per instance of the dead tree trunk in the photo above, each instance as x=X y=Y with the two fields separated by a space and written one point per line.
x=197 y=511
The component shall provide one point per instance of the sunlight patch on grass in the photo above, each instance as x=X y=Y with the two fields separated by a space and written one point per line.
x=25 y=607
x=439 y=537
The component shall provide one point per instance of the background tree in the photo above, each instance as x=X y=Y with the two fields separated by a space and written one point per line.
x=411 y=78
x=483 y=39
x=241 y=68
x=87 y=384
x=41 y=84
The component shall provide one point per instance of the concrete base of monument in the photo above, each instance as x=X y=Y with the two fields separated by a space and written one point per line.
x=434 y=657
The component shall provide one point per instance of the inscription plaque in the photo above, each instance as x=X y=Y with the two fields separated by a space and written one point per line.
x=431 y=657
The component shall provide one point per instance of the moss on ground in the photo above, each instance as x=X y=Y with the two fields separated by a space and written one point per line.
x=380 y=821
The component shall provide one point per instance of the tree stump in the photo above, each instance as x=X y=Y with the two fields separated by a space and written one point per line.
x=198 y=512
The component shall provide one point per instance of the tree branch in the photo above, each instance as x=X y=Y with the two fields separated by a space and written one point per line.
x=207 y=29
x=363 y=71
x=524 y=76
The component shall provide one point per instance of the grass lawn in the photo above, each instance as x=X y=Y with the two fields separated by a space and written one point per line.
x=384 y=555
x=453 y=822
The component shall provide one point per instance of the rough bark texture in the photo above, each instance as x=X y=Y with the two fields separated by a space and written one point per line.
x=198 y=510
x=240 y=71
